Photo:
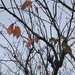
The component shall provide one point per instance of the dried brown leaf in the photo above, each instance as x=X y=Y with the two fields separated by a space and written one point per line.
x=10 y=29
x=36 y=39
x=17 y=31
x=29 y=42
x=26 y=4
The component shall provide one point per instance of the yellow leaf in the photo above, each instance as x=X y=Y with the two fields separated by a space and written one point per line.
x=17 y=31
x=10 y=29
x=26 y=4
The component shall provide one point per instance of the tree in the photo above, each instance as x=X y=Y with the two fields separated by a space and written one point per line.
x=39 y=38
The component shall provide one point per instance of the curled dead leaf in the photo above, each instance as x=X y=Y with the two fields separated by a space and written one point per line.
x=36 y=8
x=17 y=31
x=36 y=39
x=26 y=4
x=48 y=73
x=29 y=42
x=39 y=66
x=10 y=29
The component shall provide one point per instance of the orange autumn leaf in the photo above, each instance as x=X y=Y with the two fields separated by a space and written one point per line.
x=36 y=39
x=10 y=29
x=29 y=42
x=17 y=31
x=26 y=4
